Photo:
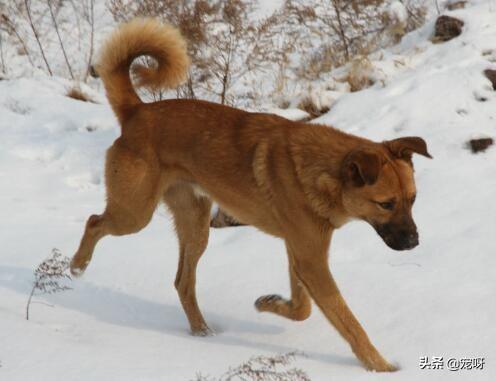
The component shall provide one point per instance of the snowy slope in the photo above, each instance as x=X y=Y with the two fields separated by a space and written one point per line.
x=123 y=319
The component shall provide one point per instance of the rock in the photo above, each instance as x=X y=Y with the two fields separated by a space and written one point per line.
x=491 y=75
x=480 y=145
x=447 y=28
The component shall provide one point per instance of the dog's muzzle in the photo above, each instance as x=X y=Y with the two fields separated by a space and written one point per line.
x=398 y=238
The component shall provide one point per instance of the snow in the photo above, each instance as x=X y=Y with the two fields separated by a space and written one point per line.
x=398 y=12
x=289 y=113
x=123 y=319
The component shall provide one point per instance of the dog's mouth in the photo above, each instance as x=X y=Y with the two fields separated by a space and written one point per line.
x=397 y=238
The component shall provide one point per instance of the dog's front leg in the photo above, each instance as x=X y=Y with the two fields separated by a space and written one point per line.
x=299 y=307
x=311 y=267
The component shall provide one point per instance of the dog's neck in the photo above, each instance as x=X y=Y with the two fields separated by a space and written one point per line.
x=318 y=153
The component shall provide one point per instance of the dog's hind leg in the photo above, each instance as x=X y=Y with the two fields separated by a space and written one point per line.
x=133 y=192
x=192 y=221
x=298 y=307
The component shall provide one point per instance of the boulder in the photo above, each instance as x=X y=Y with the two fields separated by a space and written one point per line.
x=491 y=75
x=447 y=28
x=480 y=145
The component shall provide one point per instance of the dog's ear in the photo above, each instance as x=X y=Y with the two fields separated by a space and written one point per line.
x=404 y=148
x=361 y=168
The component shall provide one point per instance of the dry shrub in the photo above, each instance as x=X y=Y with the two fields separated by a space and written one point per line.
x=456 y=4
x=225 y=41
x=309 y=105
x=262 y=368
x=356 y=29
x=317 y=100
x=323 y=60
x=344 y=29
x=301 y=40
x=396 y=19
x=361 y=74
x=38 y=28
x=417 y=11
x=50 y=277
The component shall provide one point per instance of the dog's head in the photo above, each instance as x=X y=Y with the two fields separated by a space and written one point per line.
x=379 y=188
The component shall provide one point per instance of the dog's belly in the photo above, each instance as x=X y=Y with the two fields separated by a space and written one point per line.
x=244 y=213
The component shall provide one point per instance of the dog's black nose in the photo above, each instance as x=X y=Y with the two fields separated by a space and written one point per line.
x=413 y=239
x=409 y=240
x=405 y=238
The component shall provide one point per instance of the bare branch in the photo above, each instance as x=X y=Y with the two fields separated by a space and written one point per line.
x=35 y=32
x=11 y=27
x=91 y=22
x=55 y=25
x=4 y=67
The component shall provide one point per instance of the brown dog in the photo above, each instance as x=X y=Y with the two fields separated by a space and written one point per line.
x=295 y=181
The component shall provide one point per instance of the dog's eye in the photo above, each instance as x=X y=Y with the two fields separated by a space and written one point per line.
x=413 y=199
x=388 y=205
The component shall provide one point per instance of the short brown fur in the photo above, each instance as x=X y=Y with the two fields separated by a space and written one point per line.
x=292 y=180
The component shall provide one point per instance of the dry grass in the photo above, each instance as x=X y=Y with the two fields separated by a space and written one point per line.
x=361 y=74
x=452 y=5
x=77 y=94
x=308 y=104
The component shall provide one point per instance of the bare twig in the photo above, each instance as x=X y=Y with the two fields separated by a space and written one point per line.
x=341 y=31
x=91 y=22
x=29 y=302
x=55 y=25
x=35 y=32
x=437 y=7
x=11 y=27
x=415 y=14
x=4 y=68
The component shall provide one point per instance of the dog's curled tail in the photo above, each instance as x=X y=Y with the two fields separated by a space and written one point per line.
x=141 y=37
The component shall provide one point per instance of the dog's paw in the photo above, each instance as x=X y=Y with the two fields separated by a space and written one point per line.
x=385 y=368
x=203 y=332
x=76 y=268
x=379 y=364
x=267 y=302
x=76 y=272
x=393 y=368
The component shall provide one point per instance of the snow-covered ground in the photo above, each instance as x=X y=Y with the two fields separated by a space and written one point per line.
x=123 y=319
